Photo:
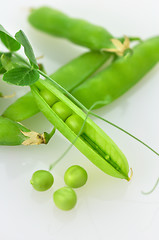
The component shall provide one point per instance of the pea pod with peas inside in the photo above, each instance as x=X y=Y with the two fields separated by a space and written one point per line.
x=92 y=142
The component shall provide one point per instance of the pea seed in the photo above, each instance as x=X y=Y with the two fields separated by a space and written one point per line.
x=65 y=198
x=48 y=97
x=75 y=176
x=75 y=123
x=42 y=180
x=62 y=110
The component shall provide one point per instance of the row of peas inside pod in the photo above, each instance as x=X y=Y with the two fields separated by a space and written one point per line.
x=64 y=198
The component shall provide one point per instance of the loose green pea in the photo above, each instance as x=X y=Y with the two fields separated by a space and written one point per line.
x=62 y=110
x=75 y=123
x=65 y=198
x=75 y=176
x=42 y=180
x=48 y=97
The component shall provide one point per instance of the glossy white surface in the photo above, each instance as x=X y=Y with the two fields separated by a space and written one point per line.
x=107 y=208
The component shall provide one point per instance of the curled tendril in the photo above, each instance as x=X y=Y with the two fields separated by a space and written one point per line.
x=154 y=187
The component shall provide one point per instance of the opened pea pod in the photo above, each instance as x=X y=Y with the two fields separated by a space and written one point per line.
x=92 y=142
x=67 y=117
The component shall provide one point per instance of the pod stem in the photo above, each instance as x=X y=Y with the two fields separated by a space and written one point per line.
x=132 y=39
x=48 y=136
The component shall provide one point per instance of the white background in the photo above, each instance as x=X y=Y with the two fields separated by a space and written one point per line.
x=107 y=208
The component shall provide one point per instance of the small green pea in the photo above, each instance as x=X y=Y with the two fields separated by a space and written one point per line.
x=42 y=180
x=62 y=110
x=75 y=123
x=65 y=198
x=75 y=176
x=48 y=97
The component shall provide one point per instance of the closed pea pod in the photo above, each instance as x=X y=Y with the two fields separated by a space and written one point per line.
x=92 y=142
x=12 y=134
x=122 y=74
x=23 y=108
x=77 y=31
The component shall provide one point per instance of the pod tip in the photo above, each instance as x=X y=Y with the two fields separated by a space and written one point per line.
x=131 y=174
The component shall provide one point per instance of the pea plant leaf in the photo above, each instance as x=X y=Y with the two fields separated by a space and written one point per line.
x=21 y=76
x=23 y=40
x=8 y=40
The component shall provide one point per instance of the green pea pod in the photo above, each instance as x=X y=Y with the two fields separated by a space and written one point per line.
x=23 y=108
x=12 y=134
x=92 y=142
x=77 y=31
x=120 y=76
x=69 y=76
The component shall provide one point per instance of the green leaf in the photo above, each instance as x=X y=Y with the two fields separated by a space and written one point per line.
x=23 y=40
x=21 y=76
x=8 y=40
